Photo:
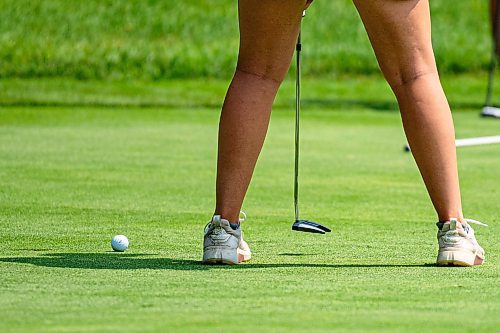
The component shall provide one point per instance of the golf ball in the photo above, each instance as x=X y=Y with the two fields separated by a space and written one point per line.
x=119 y=243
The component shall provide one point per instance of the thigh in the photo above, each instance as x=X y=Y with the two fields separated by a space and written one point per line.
x=268 y=32
x=400 y=33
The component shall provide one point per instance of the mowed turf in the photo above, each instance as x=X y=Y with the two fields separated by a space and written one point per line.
x=72 y=177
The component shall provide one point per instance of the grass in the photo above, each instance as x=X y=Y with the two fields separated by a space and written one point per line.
x=155 y=40
x=74 y=175
x=466 y=92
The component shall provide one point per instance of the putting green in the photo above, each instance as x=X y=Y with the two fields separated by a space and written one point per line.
x=72 y=177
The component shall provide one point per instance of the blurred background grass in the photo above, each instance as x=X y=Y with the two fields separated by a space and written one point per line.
x=158 y=39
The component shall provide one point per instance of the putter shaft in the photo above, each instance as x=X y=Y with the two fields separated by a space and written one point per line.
x=297 y=120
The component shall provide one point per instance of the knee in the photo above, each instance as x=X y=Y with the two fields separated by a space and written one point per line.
x=268 y=72
x=404 y=77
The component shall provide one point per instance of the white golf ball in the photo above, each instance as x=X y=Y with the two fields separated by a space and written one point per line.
x=119 y=243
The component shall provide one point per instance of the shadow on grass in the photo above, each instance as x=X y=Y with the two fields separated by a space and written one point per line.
x=376 y=105
x=125 y=261
x=344 y=103
x=332 y=104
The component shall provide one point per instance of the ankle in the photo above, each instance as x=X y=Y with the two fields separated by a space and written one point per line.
x=447 y=217
x=231 y=218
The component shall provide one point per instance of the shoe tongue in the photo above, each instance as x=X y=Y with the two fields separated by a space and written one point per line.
x=457 y=225
x=218 y=221
x=452 y=224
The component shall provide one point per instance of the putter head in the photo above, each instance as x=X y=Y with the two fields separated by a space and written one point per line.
x=309 y=226
x=490 y=111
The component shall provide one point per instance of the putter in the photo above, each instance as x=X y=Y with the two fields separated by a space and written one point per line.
x=301 y=225
x=489 y=110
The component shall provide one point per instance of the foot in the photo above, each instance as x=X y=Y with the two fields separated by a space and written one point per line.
x=458 y=245
x=223 y=244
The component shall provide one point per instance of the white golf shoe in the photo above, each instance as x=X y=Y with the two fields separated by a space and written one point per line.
x=457 y=244
x=224 y=245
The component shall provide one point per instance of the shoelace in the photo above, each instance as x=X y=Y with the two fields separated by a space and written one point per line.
x=472 y=221
x=242 y=219
x=475 y=222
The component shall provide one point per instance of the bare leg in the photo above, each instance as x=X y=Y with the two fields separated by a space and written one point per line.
x=400 y=32
x=268 y=31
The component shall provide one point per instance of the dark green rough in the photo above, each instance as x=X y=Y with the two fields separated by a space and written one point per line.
x=155 y=39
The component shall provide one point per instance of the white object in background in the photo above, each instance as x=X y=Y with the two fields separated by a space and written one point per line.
x=119 y=243
x=485 y=140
